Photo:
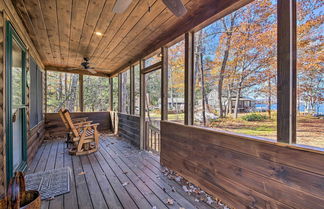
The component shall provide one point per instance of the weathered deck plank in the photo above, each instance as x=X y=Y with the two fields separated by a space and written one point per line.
x=97 y=179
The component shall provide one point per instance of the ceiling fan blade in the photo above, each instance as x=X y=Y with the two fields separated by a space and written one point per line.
x=74 y=68
x=121 y=6
x=92 y=71
x=176 y=7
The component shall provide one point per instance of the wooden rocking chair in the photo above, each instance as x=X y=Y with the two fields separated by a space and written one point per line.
x=85 y=136
x=75 y=121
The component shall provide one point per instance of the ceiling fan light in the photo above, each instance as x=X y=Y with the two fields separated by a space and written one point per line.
x=98 y=33
x=121 y=6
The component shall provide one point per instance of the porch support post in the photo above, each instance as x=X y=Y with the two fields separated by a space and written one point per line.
x=189 y=78
x=132 y=90
x=287 y=75
x=45 y=92
x=111 y=94
x=120 y=92
x=142 y=106
x=164 y=84
x=81 y=93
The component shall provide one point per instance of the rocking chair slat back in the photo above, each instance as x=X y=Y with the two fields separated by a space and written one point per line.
x=69 y=122
x=63 y=119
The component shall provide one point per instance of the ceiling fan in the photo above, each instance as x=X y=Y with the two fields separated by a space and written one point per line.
x=85 y=65
x=176 y=6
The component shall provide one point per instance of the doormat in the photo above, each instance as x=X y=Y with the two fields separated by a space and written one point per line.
x=50 y=183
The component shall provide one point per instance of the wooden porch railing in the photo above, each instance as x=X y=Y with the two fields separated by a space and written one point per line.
x=152 y=138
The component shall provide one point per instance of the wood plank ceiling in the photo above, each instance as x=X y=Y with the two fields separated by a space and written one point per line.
x=64 y=31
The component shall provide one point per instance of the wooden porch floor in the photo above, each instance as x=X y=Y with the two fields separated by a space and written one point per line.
x=98 y=180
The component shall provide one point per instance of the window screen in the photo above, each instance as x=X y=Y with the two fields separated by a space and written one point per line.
x=35 y=94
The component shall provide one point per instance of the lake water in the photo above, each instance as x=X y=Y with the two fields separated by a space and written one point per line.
x=319 y=108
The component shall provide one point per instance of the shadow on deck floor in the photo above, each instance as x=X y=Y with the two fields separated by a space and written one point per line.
x=117 y=176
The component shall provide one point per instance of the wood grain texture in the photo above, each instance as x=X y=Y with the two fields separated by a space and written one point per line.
x=97 y=179
x=287 y=72
x=54 y=125
x=244 y=172
x=129 y=128
x=2 y=112
x=63 y=31
x=35 y=139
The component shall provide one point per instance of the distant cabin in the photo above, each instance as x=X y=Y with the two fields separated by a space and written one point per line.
x=176 y=104
x=245 y=104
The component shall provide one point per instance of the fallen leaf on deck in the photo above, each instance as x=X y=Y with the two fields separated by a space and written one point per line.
x=50 y=198
x=82 y=173
x=185 y=189
x=170 y=202
x=178 y=178
x=125 y=172
x=209 y=200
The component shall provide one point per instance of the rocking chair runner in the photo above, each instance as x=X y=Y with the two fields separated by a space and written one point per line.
x=84 y=136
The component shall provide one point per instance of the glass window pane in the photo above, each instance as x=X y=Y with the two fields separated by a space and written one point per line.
x=95 y=93
x=310 y=73
x=115 y=93
x=137 y=75
x=235 y=71
x=16 y=76
x=125 y=91
x=62 y=91
x=176 y=71
x=152 y=60
x=153 y=97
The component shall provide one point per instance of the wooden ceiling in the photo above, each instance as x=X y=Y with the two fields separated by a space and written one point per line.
x=63 y=31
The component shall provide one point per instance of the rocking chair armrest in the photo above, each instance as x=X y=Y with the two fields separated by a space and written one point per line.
x=80 y=119
x=83 y=123
x=91 y=125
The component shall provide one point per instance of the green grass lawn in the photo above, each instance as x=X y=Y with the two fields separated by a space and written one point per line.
x=310 y=130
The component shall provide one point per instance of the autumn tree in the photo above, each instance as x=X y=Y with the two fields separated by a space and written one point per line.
x=310 y=53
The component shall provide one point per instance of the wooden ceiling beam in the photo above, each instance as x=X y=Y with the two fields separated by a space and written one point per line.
x=80 y=72
x=209 y=12
x=63 y=31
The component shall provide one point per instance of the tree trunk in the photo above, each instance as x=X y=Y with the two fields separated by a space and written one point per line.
x=72 y=96
x=203 y=89
x=229 y=100
x=171 y=89
x=237 y=99
x=60 y=91
x=269 y=97
x=223 y=66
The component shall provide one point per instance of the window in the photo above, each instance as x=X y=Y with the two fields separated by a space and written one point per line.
x=125 y=92
x=137 y=76
x=62 y=91
x=235 y=71
x=95 y=93
x=152 y=60
x=35 y=94
x=115 y=93
x=310 y=73
x=153 y=97
x=176 y=101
